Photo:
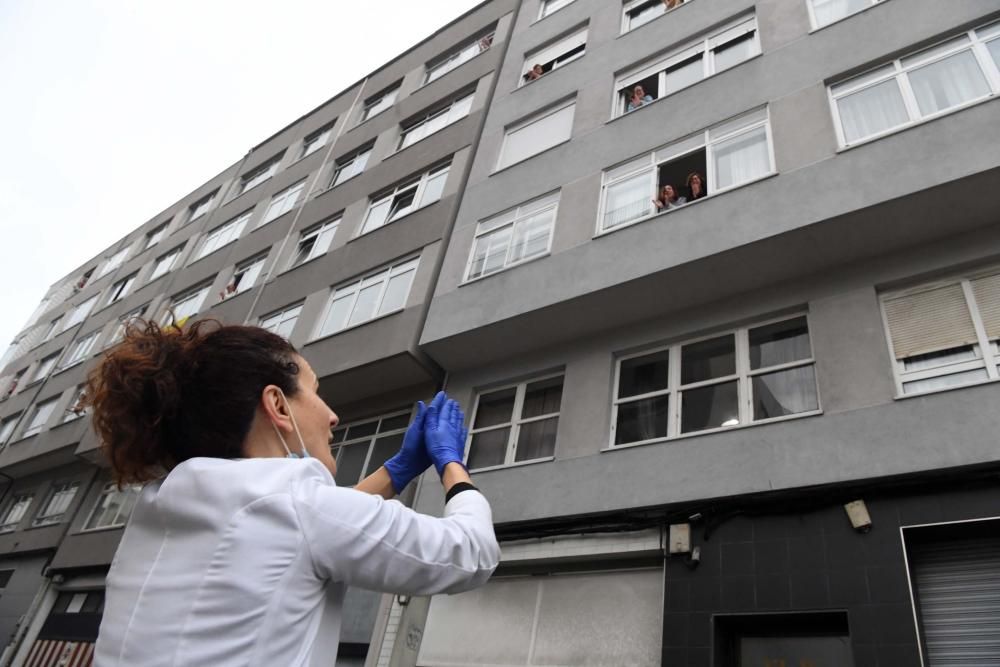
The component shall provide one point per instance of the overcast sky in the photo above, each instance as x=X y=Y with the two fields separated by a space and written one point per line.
x=113 y=109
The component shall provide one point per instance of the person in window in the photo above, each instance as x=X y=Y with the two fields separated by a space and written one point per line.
x=638 y=98
x=668 y=199
x=534 y=73
x=695 y=186
x=670 y=4
x=239 y=550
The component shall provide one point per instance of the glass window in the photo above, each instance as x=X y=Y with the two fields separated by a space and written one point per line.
x=111 y=264
x=7 y=428
x=363 y=447
x=826 y=12
x=15 y=512
x=640 y=12
x=255 y=177
x=153 y=237
x=80 y=350
x=76 y=407
x=545 y=130
x=315 y=241
x=185 y=306
x=516 y=424
x=223 y=234
x=40 y=417
x=513 y=237
x=350 y=167
x=379 y=103
x=79 y=314
x=282 y=322
x=113 y=507
x=405 y=198
x=200 y=207
x=948 y=83
x=120 y=289
x=282 y=203
x=123 y=322
x=245 y=276
x=54 y=509
x=313 y=142
x=44 y=367
x=435 y=121
x=559 y=54
x=367 y=299
x=552 y=6
x=628 y=199
x=164 y=264
x=459 y=57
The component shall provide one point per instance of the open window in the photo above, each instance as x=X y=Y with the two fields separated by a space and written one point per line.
x=564 y=51
x=405 y=198
x=640 y=12
x=245 y=277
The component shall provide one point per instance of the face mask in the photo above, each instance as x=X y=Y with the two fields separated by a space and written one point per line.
x=288 y=453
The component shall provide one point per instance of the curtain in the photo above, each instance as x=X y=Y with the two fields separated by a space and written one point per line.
x=741 y=159
x=628 y=200
x=948 y=83
x=871 y=111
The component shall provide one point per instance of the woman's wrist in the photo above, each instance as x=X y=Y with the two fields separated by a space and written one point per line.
x=452 y=474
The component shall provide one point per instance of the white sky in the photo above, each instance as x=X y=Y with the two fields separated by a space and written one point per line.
x=111 y=110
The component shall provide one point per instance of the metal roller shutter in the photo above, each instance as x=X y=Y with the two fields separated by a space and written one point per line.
x=958 y=590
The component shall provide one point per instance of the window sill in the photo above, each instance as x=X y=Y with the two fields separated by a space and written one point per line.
x=370 y=118
x=273 y=220
x=724 y=429
x=505 y=269
x=102 y=529
x=508 y=466
x=530 y=157
x=522 y=86
x=48 y=524
x=232 y=199
x=221 y=247
x=931 y=392
x=73 y=365
x=355 y=326
x=337 y=185
x=398 y=151
x=684 y=207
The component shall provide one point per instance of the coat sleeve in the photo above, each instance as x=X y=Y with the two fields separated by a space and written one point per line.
x=368 y=542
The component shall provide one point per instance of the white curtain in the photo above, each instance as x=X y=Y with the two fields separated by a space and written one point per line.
x=828 y=11
x=741 y=159
x=871 y=111
x=948 y=83
x=628 y=200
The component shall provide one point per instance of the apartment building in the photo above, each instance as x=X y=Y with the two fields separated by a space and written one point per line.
x=744 y=419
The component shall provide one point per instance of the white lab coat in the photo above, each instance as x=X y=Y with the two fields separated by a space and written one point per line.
x=245 y=562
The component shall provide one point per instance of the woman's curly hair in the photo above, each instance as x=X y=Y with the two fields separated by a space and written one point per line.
x=167 y=394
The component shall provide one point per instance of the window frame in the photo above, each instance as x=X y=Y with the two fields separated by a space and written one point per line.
x=46 y=408
x=515 y=424
x=122 y=323
x=743 y=377
x=110 y=489
x=259 y=175
x=350 y=161
x=199 y=208
x=518 y=215
x=46 y=365
x=373 y=102
x=7 y=428
x=896 y=71
x=337 y=446
x=352 y=288
x=324 y=132
x=80 y=313
x=536 y=117
x=80 y=351
x=314 y=232
x=418 y=183
x=172 y=255
x=191 y=294
x=120 y=289
x=454 y=58
x=70 y=413
x=571 y=54
x=237 y=223
x=57 y=490
x=815 y=24
x=252 y=267
x=283 y=317
x=154 y=236
x=631 y=5
x=440 y=111
x=279 y=202
x=111 y=263
x=544 y=5
x=6 y=524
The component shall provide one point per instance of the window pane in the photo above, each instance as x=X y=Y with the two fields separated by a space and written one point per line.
x=684 y=74
x=536 y=440
x=642 y=420
x=785 y=393
x=495 y=408
x=741 y=159
x=433 y=189
x=364 y=309
x=872 y=110
x=402 y=204
x=948 y=83
x=490 y=252
x=709 y=407
x=385 y=447
x=396 y=292
x=488 y=449
x=362 y=430
x=531 y=236
x=828 y=11
x=708 y=359
x=336 y=319
x=779 y=343
x=394 y=423
x=645 y=13
x=945 y=381
x=734 y=52
x=628 y=200
x=994 y=48
x=542 y=398
x=350 y=464
x=643 y=375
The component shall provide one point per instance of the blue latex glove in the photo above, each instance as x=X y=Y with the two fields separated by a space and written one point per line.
x=445 y=432
x=412 y=458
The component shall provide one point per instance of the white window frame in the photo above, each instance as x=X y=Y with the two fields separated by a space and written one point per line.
x=458 y=109
x=634 y=4
x=418 y=185
x=120 y=289
x=80 y=351
x=258 y=175
x=817 y=26
x=650 y=164
x=223 y=235
x=44 y=368
x=896 y=71
x=57 y=504
x=200 y=207
x=282 y=203
x=550 y=7
x=455 y=59
x=341 y=431
x=111 y=263
x=316 y=140
x=120 y=518
x=123 y=322
x=379 y=102
x=556 y=55
x=703 y=47
x=15 y=512
x=73 y=409
x=352 y=165
x=7 y=427
x=352 y=289
x=743 y=377
x=50 y=333
x=245 y=276
x=79 y=313
x=155 y=236
x=194 y=295
x=986 y=351
x=40 y=417
x=517 y=421
x=531 y=120
x=511 y=219
x=164 y=264
x=276 y=320
x=321 y=236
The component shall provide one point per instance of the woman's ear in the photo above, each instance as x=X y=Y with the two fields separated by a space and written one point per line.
x=275 y=407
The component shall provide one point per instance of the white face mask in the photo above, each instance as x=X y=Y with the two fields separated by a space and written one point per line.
x=288 y=453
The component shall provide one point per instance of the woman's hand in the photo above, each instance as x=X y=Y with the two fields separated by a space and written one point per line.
x=412 y=459
x=445 y=432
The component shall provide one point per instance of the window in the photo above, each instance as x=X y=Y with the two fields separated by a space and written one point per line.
x=44 y=367
x=223 y=235
x=315 y=141
x=362 y=447
x=200 y=207
x=946 y=334
x=912 y=89
x=825 y=12
x=350 y=166
x=164 y=264
x=40 y=417
x=123 y=322
x=79 y=314
x=745 y=376
x=111 y=264
x=513 y=237
x=372 y=297
x=15 y=512
x=10 y=385
x=435 y=121
x=185 y=306
x=76 y=407
x=153 y=237
x=405 y=198
x=54 y=509
x=245 y=276
x=687 y=65
x=552 y=6
x=113 y=507
x=282 y=203
x=120 y=289
x=563 y=52
x=80 y=350
x=255 y=177
x=51 y=331
x=379 y=103
x=538 y=133
x=82 y=282
x=314 y=242
x=641 y=12
x=731 y=154
x=282 y=322
x=7 y=427
x=515 y=424
x=457 y=58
